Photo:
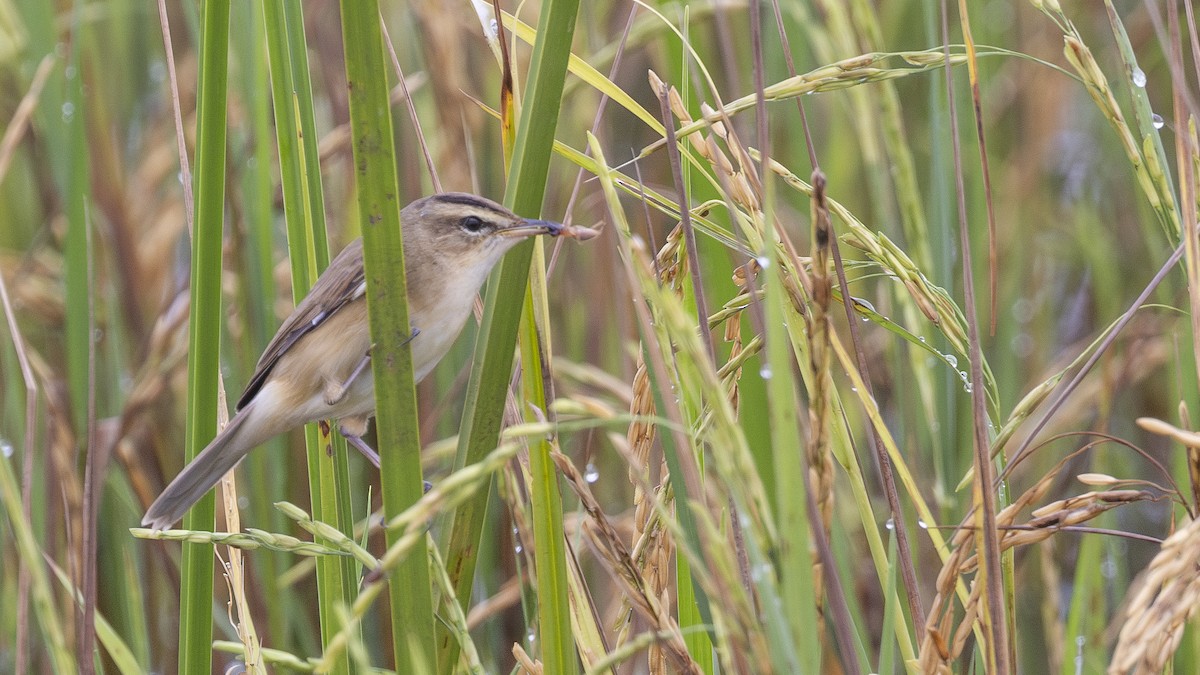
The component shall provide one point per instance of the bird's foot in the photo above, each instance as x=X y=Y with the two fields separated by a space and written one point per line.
x=361 y=445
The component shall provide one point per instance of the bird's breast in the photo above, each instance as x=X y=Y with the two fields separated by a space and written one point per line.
x=438 y=325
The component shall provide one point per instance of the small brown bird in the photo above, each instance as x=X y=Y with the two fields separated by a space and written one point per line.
x=317 y=365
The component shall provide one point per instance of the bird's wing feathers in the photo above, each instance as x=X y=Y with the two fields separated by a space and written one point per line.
x=343 y=282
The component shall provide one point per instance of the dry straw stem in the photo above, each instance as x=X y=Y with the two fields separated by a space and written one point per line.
x=1168 y=597
x=235 y=570
x=272 y=657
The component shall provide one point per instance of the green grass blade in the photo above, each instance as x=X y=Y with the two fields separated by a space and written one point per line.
x=44 y=604
x=795 y=560
x=265 y=468
x=195 y=603
x=480 y=429
x=550 y=554
x=309 y=252
x=383 y=252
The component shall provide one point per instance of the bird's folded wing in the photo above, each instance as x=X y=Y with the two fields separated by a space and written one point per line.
x=343 y=282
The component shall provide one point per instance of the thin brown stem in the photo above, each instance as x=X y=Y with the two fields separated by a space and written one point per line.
x=996 y=625
x=412 y=110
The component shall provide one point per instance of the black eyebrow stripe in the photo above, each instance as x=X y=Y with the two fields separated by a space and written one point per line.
x=464 y=199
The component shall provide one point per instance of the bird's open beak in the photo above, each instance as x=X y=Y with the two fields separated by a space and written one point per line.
x=531 y=228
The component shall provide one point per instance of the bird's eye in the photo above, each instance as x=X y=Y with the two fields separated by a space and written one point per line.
x=471 y=224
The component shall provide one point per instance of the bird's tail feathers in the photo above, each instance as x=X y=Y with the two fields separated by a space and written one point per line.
x=243 y=433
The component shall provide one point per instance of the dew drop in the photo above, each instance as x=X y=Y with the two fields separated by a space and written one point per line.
x=890 y=524
x=591 y=474
x=6 y=448
x=68 y=110
x=760 y=572
x=518 y=549
x=921 y=338
x=1139 y=77
x=952 y=360
x=1108 y=569
x=1022 y=310
x=923 y=525
x=765 y=372
x=531 y=637
x=1022 y=345
x=763 y=261
x=1157 y=121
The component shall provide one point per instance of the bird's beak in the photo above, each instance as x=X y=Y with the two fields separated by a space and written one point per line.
x=531 y=228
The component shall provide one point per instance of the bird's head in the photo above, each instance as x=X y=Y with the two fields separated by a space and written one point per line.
x=464 y=231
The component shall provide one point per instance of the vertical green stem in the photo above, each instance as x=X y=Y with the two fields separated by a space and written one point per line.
x=383 y=258
x=304 y=209
x=264 y=469
x=195 y=603
x=480 y=430
x=550 y=554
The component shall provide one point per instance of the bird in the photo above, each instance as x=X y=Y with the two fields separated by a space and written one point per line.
x=317 y=365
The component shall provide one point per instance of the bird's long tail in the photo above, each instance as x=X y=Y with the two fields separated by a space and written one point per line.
x=243 y=433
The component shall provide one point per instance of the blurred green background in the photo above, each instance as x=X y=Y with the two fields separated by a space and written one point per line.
x=94 y=253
